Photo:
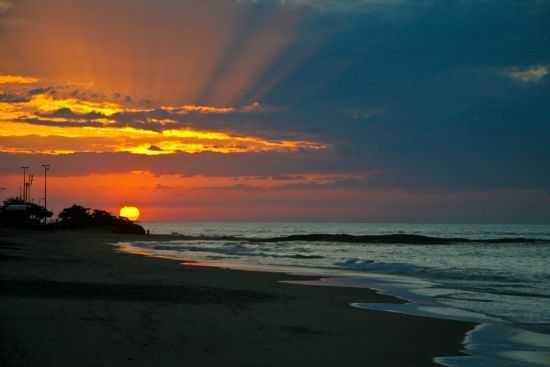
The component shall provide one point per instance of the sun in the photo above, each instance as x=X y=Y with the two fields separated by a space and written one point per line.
x=130 y=212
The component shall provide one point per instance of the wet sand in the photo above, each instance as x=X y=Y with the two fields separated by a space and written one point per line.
x=70 y=299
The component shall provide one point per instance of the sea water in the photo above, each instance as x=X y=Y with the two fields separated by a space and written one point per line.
x=505 y=287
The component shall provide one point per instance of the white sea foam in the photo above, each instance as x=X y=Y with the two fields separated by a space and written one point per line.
x=470 y=281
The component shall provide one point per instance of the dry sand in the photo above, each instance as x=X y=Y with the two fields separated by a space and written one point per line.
x=69 y=299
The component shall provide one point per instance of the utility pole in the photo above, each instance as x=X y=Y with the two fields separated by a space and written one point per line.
x=25 y=168
x=29 y=185
x=46 y=169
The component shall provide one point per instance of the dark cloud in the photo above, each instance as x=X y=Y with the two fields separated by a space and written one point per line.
x=354 y=184
x=208 y=164
x=46 y=121
x=36 y=91
x=67 y=113
x=154 y=148
x=237 y=187
x=450 y=173
x=12 y=98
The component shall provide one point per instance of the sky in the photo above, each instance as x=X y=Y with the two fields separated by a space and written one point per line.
x=431 y=111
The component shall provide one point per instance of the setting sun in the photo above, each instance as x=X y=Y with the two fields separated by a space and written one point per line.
x=130 y=212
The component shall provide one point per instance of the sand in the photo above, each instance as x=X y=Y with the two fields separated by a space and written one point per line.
x=70 y=299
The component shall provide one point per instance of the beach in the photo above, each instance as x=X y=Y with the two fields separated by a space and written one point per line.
x=70 y=298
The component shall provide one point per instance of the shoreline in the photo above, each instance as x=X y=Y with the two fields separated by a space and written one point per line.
x=67 y=286
x=495 y=341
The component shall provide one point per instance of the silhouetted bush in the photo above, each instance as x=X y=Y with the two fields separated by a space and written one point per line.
x=77 y=216
x=18 y=213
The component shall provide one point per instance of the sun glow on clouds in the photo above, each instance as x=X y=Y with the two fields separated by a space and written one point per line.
x=199 y=109
x=53 y=123
x=203 y=51
x=136 y=141
x=46 y=103
x=174 y=196
x=15 y=79
x=229 y=61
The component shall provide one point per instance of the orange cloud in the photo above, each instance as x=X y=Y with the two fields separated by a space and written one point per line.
x=59 y=120
x=200 y=109
x=43 y=103
x=21 y=137
x=250 y=108
x=17 y=79
x=47 y=103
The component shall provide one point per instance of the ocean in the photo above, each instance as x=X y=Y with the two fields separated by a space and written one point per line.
x=495 y=275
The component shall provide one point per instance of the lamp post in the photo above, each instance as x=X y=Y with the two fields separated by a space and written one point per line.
x=25 y=168
x=46 y=169
x=29 y=187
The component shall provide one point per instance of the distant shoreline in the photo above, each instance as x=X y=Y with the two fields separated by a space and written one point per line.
x=408 y=239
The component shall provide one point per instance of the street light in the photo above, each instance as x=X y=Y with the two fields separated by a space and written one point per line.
x=46 y=169
x=25 y=168
x=29 y=186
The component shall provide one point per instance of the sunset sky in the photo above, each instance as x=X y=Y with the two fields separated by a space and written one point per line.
x=272 y=110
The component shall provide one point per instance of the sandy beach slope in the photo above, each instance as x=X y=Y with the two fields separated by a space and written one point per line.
x=69 y=299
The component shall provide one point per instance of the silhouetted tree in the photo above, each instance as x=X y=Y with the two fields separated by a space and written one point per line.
x=76 y=215
x=38 y=213
x=80 y=217
x=102 y=217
